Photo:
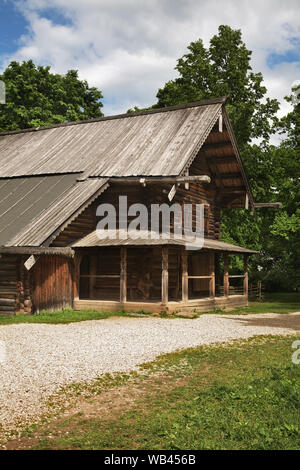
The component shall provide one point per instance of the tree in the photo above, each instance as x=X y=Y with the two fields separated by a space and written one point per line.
x=223 y=69
x=284 y=243
x=36 y=97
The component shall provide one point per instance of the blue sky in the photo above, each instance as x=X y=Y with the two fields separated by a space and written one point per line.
x=12 y=26
x=128 y=48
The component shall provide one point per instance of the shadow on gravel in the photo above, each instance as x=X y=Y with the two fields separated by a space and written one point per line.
x=290 y=321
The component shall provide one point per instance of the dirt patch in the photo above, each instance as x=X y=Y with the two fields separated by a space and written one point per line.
x=290 y=321
x=107 y=405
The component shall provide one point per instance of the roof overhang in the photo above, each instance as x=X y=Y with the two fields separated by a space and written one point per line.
x=148 y=238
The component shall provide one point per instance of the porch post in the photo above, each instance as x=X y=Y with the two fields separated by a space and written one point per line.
x=226 y=275
x=246 y=275
x=212 y=282
x=76 y=275
x=165 y=275
x=123 y=274
x=217 y=272
x=185 y=280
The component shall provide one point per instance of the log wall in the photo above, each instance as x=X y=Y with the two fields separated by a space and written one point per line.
x=15 y=286
x=86 y=222
x=8 y=284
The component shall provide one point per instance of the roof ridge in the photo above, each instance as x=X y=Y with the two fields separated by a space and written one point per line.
x=194 y=104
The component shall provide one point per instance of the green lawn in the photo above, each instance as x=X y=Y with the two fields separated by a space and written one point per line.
x=275 y=303
x=245 y=395
x=61 y=316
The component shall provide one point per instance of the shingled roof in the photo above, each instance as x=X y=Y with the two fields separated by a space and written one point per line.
x=152 y=143
x=48 y=175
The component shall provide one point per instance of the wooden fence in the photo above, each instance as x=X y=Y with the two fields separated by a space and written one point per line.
x=255 y=291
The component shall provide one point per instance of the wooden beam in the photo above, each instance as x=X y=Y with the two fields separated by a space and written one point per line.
x=230 y=176
x=221 y=123
x=165 y=275
x=223 y=160
x=216 y=145
x=185 y=279
x=38 y=250
x=238 y=156
x=199 y=277
x=217 y=269
x=246 y=275
x=123 y=274
x=212 y=282
x=247 y=202
x=226 y=275
x=187 y=185
x=161 y=179
x=76 y=275
x=272 y=205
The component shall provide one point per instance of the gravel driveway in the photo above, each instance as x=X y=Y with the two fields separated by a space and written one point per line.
x=40 y=358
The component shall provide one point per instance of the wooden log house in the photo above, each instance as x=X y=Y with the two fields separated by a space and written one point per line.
x=52 y=180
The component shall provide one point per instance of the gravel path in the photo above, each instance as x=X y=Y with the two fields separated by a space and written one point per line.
x=40 y=358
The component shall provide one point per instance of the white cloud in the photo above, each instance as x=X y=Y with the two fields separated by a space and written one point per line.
x=128 y=48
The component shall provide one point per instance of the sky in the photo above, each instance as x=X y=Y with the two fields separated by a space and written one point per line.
x=129 y=48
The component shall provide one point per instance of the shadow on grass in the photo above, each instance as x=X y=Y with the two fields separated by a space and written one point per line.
x=291 y=321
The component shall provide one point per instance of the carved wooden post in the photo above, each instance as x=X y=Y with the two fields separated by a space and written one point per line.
x=185 y=280
x=165 y=276
x=76 y=275
x=246 y=275
x=212 y=282
x=226 y=275
x=123 y=275
x=217 y=272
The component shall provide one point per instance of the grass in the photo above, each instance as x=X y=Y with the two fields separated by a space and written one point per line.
x=67 y=315
x=274 y=303
x=245 y=395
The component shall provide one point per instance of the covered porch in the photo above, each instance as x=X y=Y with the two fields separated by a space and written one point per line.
x=157 y=275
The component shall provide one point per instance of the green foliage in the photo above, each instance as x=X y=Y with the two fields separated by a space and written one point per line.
x=36 y=97
x=223 y=69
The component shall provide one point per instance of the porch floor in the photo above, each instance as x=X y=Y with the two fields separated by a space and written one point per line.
x=201 y=305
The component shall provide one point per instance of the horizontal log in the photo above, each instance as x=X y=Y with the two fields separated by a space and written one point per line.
x=162 y=179
x=217 y=145
x=8 y=295
x=5 y=283
x=102 y=276
x=199 y=277
x=229 y=176
x=40 y=250
x=272 y=205
x=7 y=302
x=223 y=160
x=7 y=308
